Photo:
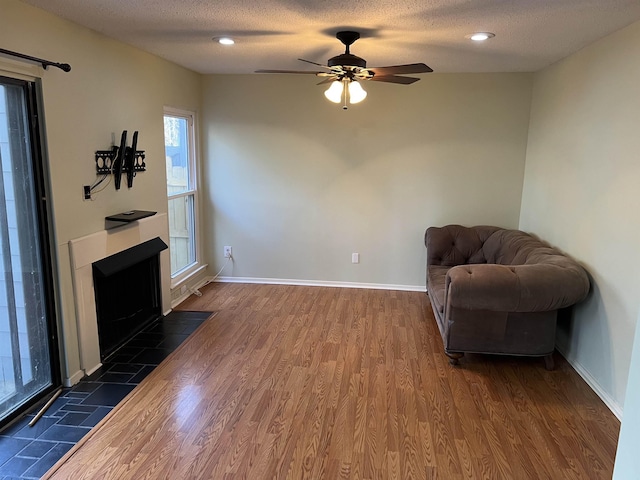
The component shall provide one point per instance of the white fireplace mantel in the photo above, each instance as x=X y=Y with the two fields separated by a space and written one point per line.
x=91 y=248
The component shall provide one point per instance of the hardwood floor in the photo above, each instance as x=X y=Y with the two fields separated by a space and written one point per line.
x=326 y=383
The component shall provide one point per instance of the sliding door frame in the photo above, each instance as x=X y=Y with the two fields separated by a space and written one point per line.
x=40 y=181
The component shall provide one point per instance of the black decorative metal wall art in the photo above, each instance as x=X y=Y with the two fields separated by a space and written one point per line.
x=121 y=159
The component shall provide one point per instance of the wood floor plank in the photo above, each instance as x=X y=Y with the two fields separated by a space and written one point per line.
x=326 y=383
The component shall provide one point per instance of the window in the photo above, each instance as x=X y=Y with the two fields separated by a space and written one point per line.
x=29 y=366
x=179 y=142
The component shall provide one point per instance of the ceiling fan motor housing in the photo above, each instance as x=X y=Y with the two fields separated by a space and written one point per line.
x=351 y=68
x=347 y=60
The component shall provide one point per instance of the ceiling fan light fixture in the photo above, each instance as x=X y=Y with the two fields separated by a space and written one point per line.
x=334 y=92
x=480 y=36
x=344 y=72
x=225 y=40
x=356 y=92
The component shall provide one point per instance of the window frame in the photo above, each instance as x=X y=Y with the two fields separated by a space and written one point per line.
x=182 y=275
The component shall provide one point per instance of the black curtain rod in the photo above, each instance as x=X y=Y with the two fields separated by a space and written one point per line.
x=45 y=63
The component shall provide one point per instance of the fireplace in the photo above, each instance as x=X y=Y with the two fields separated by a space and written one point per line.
x=128 y=296
x=90 y=249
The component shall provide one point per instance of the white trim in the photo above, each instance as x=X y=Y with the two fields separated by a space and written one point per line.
x=188 y=270
x=204 y=281
x=320 y=283
x=608 y=400
x=186 y=278
x=192 y=190
x=93 y=369
x=180 y=299
x=73 y=379
x=20 y=70
x=186 y=193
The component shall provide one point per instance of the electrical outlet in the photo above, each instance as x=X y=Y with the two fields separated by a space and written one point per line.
x=183 y=289
x=87 y=192
x=355 y=258
x=227 y=251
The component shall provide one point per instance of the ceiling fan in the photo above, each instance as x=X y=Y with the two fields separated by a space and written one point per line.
x=348 y=70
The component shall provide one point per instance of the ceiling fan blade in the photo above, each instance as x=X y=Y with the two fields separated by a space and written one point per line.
x=394 y=79
x=401 y=69
x=308 y=72
x=315 y=63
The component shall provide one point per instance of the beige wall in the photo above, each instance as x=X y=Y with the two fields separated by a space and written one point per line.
x=295 y=184
x=581 y=194
x=111 y=87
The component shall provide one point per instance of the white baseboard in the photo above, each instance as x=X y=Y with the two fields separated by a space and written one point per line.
x=177 y=301
x=73 y=379
x=321 y=283
x=190 y=291
x=183 y=282
x=615 y=408
x=92 y=370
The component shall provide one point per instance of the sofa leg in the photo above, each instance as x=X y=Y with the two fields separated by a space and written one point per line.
x=549 y=364
x=454 y=357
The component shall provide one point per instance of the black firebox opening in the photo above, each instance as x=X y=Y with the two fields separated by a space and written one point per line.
x=128 y=293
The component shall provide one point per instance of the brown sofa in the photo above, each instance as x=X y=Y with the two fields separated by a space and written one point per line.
x=498 y=291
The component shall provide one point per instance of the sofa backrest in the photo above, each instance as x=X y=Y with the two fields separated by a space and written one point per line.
x=513 y=247
x=457 y=245
x=453 y=245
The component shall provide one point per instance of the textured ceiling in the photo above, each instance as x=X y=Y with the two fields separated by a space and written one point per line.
x=272 y=34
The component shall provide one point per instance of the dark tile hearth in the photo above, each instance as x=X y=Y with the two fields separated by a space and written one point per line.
x=108 y=394
x=28 y=452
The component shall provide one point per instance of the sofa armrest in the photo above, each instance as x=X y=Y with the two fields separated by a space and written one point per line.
x=516 y=288
x=434 y=240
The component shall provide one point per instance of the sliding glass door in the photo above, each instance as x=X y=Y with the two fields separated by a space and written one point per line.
x=28 y=345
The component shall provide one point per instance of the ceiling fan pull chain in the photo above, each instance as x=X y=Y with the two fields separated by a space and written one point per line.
x=344 y=92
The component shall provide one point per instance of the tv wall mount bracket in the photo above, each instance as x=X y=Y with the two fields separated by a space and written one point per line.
x=121 y=159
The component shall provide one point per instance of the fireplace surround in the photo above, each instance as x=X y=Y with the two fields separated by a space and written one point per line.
x=87 y=250
x=127 y=289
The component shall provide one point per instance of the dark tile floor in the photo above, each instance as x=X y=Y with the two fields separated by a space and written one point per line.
x=28 y=452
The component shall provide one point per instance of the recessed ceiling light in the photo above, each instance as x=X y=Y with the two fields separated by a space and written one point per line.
x=480 y=36
x=225 y=40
